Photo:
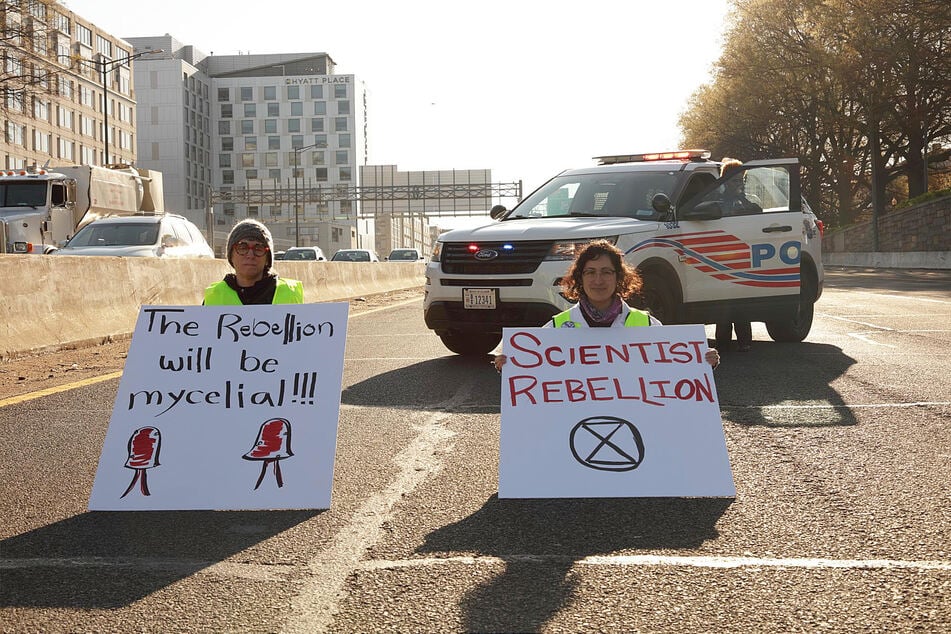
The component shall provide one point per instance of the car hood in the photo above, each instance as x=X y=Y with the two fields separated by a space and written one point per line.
x=551 y=229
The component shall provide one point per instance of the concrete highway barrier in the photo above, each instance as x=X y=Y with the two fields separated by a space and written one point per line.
x=50 y=302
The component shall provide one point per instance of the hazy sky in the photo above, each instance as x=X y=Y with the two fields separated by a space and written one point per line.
x=525 y=89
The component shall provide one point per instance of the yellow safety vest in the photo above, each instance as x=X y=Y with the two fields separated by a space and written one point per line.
x=568 y=320
x=287 y=292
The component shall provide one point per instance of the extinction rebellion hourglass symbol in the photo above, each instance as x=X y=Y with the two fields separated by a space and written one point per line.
x=272 y=445
x=607 y=443
x=144 y=445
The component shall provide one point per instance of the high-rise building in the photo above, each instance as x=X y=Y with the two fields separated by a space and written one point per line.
x=283 y=123
x=55 y=69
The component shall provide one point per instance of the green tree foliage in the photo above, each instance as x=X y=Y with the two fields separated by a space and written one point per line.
x=856 y=89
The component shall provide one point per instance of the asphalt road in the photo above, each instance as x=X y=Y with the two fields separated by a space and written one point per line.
x=840 y=450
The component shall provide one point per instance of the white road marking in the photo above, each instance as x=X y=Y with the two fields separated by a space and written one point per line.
x=862 y=336
x=831 y=406
x=890 y=296
x=322 y=586
x=622 y=561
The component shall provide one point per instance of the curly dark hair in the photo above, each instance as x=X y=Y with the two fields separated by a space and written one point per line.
x=628 y=279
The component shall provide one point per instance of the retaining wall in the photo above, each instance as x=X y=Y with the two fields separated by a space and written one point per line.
x=916 y=237
x=48 y=302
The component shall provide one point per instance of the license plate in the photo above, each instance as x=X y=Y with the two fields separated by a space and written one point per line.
x=478 y=298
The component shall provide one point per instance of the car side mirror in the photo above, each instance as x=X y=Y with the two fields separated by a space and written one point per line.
x=707 y=210
x=661 y=203
x=497 y=212
x=169 y=241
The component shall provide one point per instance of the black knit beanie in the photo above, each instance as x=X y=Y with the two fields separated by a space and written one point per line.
x=250 y=229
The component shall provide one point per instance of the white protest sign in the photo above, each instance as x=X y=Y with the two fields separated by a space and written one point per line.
x=610 y=412
x=226 y=408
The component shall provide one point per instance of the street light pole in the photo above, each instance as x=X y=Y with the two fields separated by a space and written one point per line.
x=297 y=171
x=103 y=71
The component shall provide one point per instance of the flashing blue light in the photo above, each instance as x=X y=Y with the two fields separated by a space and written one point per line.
x=507 y=247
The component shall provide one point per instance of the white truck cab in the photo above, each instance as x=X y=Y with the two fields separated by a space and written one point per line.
x=703 y=258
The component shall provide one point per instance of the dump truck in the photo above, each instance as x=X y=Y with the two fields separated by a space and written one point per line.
x=41 y=208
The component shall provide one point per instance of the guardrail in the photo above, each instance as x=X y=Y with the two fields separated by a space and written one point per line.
x=50 y=302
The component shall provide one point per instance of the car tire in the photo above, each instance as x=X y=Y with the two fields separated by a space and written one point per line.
x=795 y=328
x=470 y=343
x=657 y=297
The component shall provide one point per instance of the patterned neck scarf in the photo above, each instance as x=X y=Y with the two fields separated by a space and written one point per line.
x=603 y=318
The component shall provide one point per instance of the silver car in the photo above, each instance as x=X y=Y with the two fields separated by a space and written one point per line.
x=161 y=236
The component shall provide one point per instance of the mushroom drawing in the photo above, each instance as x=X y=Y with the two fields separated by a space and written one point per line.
x=144 y=445
x=273 y=444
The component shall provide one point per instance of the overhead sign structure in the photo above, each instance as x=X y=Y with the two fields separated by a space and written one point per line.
x=610 y=412
x=226 y=408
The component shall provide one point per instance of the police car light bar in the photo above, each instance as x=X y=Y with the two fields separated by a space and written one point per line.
x=683 y=155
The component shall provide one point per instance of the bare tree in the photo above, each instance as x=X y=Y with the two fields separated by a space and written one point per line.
x=28 y=67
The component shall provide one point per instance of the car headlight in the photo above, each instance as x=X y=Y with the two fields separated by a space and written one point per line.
x=567 y=250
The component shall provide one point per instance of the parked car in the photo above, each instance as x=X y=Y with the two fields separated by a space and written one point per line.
x=405 y=255
x=313 y=254
x=162 y=236
x=279 y=255
x=355 y=255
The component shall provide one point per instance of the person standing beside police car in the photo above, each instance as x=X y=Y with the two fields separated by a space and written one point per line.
x=598 y=280
x=250 y=253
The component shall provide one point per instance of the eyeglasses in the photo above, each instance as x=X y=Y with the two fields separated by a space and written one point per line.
x=590 y=274
x=242 y=248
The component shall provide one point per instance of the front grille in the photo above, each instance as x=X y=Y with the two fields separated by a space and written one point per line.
x=523 y=258
x=470 y=282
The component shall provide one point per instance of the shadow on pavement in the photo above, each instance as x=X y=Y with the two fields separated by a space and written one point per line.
x=560 y=532
x=161 y=547
x=429 y=384
x=796 y=376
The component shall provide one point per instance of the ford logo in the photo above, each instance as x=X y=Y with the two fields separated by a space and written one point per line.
x=486 y=254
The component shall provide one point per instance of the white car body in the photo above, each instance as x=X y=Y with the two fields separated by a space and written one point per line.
x=698 y=265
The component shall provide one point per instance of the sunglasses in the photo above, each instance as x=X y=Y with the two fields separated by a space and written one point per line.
x=242 y=248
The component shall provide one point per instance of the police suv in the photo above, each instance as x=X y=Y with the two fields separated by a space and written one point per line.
x=701 y=260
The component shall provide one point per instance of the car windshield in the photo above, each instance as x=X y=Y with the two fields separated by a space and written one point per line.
x=404 y=254
x=300 y=254
x=351 y=256
x=116 y=234
x=623 y=194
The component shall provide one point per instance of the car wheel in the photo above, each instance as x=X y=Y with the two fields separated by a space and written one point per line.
x=471 y=343
x=657 y=297
x=795 y=328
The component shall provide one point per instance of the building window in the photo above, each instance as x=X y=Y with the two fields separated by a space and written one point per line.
x=252 y=210
x=226 y=111
x=251 y=175
x=247 y=159
x=224 y=127
x=229 y=209
x=341 y=124
x=270 y=159
x=293 y=92
x=316 y=91
x=224 y=160
x=320 y=140
x=84 y=35
x=275 y=210
x=321 y=174
x=227 y=177
x=274 y=174
x=270 y=93
x=343 y=140
x=247 y=126
x=274 y=143
x=227 y=144
x=293 y=125
x=345 y=174
x=250 y=143
x=340 y=91
x=250 y=110
x=247 y=94
x=341 y=157
x=317 y=157
x=270 y=126
x=274 y=109
x=297 y=108
x=224 y=94
x=320 y=107
x=104 y=46
x=343 y=106
x=317 y=124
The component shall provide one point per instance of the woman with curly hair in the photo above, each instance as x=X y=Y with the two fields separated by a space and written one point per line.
x=598 y=280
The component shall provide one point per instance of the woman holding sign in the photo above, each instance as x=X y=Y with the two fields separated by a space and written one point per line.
x=598 y=280
x=250 y=252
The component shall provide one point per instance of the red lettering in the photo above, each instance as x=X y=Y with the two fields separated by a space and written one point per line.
x=551 y=389
x=594 y=388
x=575 y=389
x=527 y=391
x=589 y=354
x=514 y=341
x=549 y=358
